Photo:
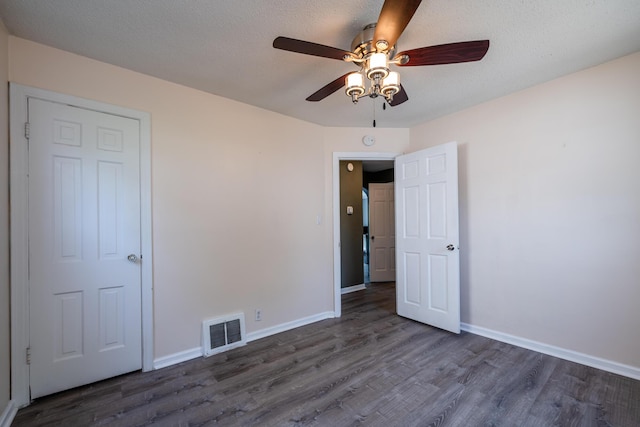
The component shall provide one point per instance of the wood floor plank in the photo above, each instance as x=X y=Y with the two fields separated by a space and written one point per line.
x=370 y=367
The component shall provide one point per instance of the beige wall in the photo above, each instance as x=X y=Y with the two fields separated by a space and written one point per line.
x=236 y=193
x=4 y=222
x=550 y=210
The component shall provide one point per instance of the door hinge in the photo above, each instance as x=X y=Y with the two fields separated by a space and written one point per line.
x=27 y=129
x=28 y=353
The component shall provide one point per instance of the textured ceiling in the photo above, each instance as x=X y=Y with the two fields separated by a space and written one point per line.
x=224 y=47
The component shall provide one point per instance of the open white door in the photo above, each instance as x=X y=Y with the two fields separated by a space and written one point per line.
x=382 y=236
x=427 y=237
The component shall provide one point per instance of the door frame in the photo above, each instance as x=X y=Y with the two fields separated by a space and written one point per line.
x=19 y=248
x=337 y=268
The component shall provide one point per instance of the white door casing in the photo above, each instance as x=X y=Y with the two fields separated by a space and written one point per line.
x=427 y=237
x=62 y=169
x=382 y=247
x=84 y=220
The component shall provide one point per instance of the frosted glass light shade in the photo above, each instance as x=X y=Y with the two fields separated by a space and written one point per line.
x=378 y=66
x=393 y=79
x=355 y=84
x=391 y=84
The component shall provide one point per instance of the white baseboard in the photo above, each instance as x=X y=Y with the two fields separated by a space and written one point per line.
x=183 y=356
x=562 y=353
x=9 y=413
x=262 y=333
x=175 y=358
x=354 y=288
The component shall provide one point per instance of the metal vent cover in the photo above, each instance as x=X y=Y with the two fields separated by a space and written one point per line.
x=223 y=333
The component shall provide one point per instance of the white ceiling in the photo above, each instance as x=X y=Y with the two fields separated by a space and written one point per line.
x=225 y=47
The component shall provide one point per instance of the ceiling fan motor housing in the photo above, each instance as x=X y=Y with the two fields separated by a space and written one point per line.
x=362 y=45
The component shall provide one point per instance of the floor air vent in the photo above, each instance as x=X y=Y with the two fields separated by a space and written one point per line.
x=223 y=333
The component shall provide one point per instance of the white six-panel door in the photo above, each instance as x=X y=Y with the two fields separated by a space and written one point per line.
x=84 y=221
x=382 y=238
x=427 y=238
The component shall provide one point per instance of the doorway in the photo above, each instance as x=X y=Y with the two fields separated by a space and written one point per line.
x=21 y=310
x=426 y=235
x=367 y=250
x=376 y=160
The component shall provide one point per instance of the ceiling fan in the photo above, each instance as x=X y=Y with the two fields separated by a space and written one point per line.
x=373 y=50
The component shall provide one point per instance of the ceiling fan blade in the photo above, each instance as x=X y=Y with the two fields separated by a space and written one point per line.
x=450 y=53
x=309 y=48
x=399 y=97
x=393 y=19
x=327 y=90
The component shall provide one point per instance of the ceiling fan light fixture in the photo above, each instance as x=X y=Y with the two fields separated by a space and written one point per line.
x=377 y=66
x=355 y=86
x=373 y=50
x=391 y=85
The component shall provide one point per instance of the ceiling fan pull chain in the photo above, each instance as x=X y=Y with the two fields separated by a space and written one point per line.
x=374 y=112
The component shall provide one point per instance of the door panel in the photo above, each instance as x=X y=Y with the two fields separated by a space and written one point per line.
x=84 y=219
x=428 y=284
x=67 y=208
x=382 y=262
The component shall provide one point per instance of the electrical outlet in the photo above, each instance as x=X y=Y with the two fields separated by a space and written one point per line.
x=258 y=315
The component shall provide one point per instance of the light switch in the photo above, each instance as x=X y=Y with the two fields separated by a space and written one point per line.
x=349 y=210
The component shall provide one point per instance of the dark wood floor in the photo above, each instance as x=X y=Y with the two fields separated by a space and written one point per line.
x=369 y=367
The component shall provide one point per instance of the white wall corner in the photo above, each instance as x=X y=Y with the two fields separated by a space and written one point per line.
x=9 y=413
x=562 y=353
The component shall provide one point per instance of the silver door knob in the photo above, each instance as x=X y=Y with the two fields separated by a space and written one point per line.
x=132 y=258
x=450 y=247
